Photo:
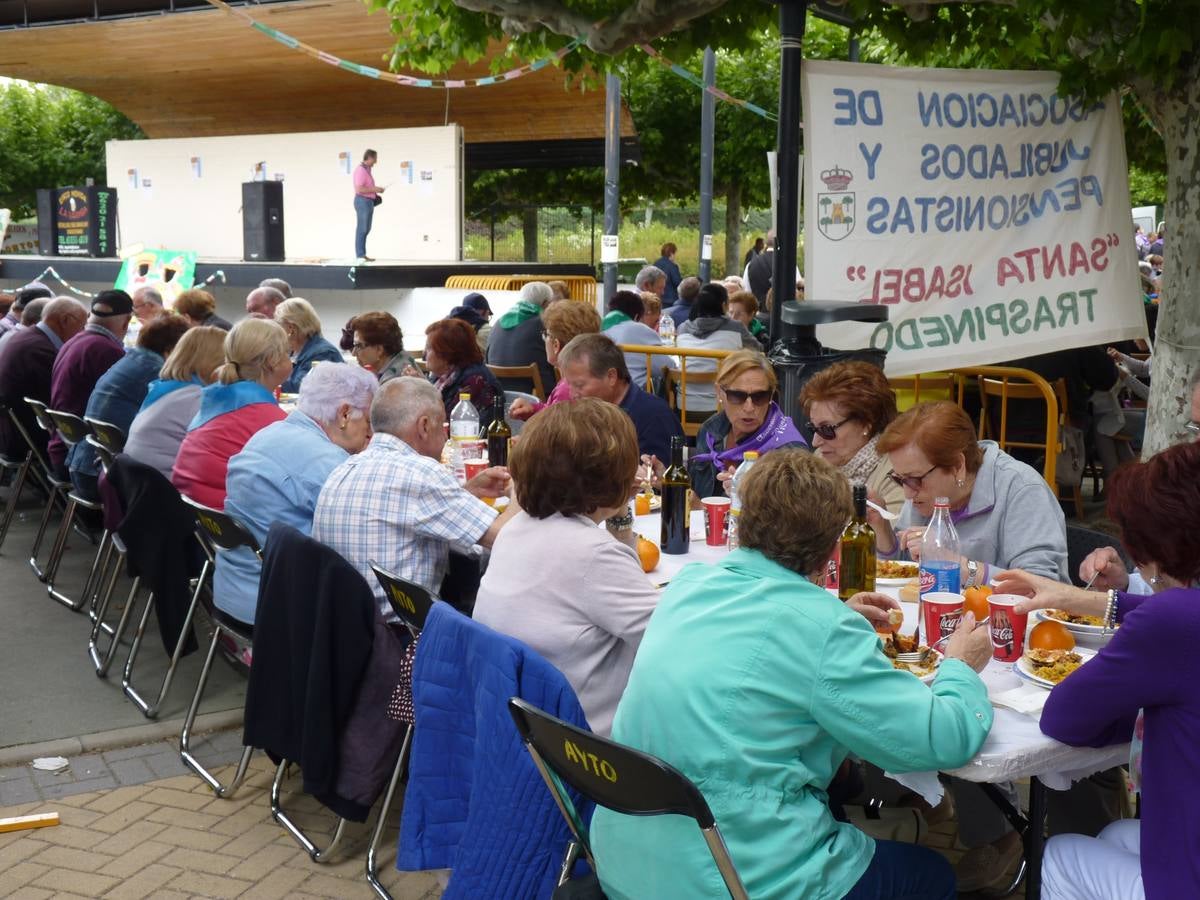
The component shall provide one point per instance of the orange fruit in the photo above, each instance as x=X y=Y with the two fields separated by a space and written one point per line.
x=641 y=505
x=1051 y=636
x=647 y=553
x=975 y=600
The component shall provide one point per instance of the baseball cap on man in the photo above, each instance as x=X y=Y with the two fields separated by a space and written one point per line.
x=32 y=291
x=112 y=303
x=477 y=302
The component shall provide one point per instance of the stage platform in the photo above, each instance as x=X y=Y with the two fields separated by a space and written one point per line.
x=306 y=275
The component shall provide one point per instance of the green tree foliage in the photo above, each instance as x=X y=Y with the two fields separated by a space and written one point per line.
x=433 y=35
x=52 y=137
x=666 y=112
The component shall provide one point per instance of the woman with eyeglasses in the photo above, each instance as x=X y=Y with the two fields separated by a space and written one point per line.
x=848 y=406
x=1005 y=514
x=1007 y=518
x=749 y=419
x=378 y=345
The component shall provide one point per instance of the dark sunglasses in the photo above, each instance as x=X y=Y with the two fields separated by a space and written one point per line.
x=739 y=398
x=827 y=431
x=912 y=482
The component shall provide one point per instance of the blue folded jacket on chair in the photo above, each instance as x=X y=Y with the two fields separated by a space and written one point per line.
x=475 y=802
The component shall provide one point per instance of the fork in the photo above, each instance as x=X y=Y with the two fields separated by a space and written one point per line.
x=919 y=656
x=883 y=511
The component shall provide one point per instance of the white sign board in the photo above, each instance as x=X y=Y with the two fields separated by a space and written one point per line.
x=610 y=248
x=987 y=212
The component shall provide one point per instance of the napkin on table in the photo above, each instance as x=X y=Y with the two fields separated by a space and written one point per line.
x=1025 y=699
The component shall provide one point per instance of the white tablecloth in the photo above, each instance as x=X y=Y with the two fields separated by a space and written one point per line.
x=650 y=527
x=1015 y=748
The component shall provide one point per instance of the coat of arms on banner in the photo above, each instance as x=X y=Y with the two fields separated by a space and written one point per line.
x=836 y=217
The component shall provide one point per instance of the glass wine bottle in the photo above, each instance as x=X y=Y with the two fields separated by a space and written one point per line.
x=857 y=572
x=499 y=434
x=676 y=517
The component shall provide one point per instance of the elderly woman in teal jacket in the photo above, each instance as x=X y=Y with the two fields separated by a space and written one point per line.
x=757 y=684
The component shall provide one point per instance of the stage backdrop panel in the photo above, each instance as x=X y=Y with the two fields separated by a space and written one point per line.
x=186 y=192
x=990 y=214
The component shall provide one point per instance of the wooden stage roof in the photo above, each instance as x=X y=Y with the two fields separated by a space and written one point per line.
x=201 y=72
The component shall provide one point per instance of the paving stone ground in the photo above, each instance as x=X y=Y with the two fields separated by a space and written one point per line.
x=125 y=835
x=172 y=838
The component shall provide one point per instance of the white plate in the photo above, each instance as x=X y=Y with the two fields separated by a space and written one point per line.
x=1087 y=630
x=894 y=582
x=932 y=675
x=1025 y=670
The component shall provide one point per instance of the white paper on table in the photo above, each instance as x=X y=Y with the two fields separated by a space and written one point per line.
x=1026 y=699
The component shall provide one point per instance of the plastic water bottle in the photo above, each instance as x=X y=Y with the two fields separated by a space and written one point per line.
x=464 y=426
x=735 y=502
x=666 y=328
x=940 y=557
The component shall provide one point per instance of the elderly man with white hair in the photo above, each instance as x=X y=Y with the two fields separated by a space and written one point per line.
x=396 y=504
x=651 y=279
x=261 y=302
x=281 y=470
x=147 y=306
x=517 y=336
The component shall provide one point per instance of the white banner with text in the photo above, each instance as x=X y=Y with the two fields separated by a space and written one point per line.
x=990 y=214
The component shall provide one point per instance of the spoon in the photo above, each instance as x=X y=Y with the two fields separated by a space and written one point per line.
x=886 y=513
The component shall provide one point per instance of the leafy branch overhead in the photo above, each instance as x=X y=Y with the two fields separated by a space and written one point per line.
x=433 y=35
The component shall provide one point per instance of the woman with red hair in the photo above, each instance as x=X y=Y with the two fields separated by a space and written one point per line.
x=1140 y=686
x=1006 y=517
x=456 y=367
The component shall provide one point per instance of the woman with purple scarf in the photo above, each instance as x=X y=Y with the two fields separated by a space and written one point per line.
x=747 y=420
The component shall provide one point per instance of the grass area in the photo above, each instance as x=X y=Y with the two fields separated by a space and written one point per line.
x=566 y=238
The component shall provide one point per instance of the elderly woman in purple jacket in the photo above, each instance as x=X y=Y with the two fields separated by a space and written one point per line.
x=749 y=419
x=1141 y=687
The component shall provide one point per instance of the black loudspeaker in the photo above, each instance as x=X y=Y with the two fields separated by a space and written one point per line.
x=262 y=221
x=47 y=242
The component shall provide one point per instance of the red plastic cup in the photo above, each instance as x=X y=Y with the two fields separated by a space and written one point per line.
x=940 y=613
x=716 y=521
x=1007 y=627
x=474 y=466
x=473 y=449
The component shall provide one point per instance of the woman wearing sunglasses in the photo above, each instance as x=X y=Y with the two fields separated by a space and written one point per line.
x=848 y=406
x=1007 y=518
x=749 y=419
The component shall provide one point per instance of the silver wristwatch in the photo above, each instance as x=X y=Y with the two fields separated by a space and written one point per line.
x=972 y=573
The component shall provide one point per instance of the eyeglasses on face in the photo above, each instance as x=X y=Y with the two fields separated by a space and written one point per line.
x=828 y=431
x=912 y=482
x=739 y=398
x=358 y=347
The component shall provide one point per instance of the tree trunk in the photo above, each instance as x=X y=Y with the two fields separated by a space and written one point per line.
x=529 y=233
x=1177 y=335
x=733 y=229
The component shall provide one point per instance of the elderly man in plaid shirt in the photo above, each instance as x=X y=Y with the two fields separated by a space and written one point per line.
x=396 y=504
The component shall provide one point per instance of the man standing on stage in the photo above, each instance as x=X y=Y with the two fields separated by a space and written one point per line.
x=366 y=198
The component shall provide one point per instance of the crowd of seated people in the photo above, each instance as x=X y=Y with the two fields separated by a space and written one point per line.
x=745 y=674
